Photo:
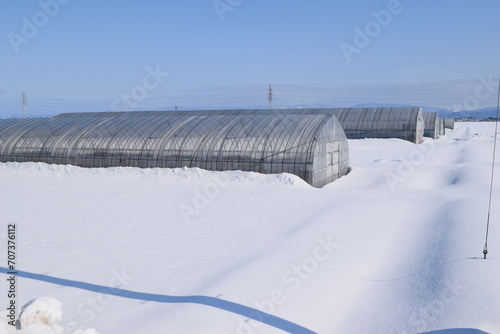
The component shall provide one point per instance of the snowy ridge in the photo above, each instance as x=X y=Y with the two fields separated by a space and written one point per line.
x=158 y=175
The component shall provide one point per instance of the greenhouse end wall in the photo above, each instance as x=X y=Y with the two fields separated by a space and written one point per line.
x=432 y=125
x=449 y=123
x=313 y=147
x=442 y=128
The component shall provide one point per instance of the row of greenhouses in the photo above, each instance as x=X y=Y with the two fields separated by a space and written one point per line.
x=435 y=125
x=309 y=143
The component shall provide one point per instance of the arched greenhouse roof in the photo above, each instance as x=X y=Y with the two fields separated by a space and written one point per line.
x=313 y=147
x=389 y=122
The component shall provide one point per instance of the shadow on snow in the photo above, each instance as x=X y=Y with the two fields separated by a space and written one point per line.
x=221 y=304
x=456 y=331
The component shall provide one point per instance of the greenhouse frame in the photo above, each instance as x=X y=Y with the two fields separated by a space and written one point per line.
x=313 y=147
x=442 y=128
x=432 y=125
x=404 y=123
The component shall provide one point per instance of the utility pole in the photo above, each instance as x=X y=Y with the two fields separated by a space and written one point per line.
x=270 y=98
x=24 y=103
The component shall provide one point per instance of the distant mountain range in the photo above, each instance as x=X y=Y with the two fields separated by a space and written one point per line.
x=477 y=114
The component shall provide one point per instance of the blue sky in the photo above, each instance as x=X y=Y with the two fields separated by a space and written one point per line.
x=85 y=55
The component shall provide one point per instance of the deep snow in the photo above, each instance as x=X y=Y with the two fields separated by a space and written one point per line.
x=393 y=247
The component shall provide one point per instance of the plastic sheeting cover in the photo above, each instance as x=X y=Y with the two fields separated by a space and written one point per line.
x=313 y=147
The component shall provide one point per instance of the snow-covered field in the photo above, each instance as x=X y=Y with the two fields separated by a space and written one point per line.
x=393 y=247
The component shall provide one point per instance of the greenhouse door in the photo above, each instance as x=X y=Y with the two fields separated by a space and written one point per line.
x=332 y=149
